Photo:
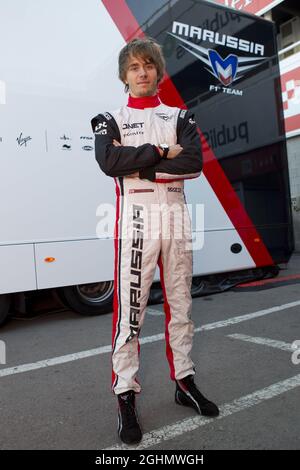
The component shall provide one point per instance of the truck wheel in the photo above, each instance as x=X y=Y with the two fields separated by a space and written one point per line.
x=4 y=307
x=198 y=285
x=88 y=299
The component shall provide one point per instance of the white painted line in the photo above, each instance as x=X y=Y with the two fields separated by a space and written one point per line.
x=191 y=424
x=264 y=341
x=152 y=339
x=249 y=316
x=148 y=339
x=54 y=361
x=154 y=312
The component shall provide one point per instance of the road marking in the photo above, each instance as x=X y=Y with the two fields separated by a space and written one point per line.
x=171 y=431
x=249 y=316
x=54 y=361
x=154 y=312
x=148 y=339
x=264 y=341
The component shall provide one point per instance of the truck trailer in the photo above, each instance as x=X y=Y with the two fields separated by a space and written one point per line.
x=59 y=69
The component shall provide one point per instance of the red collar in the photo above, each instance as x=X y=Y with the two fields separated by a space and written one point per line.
x=143 y=102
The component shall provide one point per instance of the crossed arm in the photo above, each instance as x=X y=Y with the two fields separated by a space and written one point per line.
x=145 y=160
x=174 y=150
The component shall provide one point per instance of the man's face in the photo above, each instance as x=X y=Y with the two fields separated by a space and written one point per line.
x=141 y=77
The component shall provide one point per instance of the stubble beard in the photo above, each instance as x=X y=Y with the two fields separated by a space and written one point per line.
x=149 y=92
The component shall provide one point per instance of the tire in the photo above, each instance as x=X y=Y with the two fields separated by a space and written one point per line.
x=88 y=299
x=198 y=286
x=5 y=300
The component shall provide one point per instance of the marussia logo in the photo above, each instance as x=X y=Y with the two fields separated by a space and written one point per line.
x=227 y=70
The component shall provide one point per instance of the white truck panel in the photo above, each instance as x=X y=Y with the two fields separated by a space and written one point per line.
x=17 y=268
x=76 y=262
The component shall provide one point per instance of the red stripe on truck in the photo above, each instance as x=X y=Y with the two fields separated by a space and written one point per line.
x=129 y=28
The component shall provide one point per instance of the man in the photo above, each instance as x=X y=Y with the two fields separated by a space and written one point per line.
x=150 y=148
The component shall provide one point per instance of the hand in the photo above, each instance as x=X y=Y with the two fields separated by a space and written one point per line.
x=116 y=143
x=174 y=150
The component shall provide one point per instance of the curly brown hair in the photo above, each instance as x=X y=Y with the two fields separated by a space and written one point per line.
x=148 y=50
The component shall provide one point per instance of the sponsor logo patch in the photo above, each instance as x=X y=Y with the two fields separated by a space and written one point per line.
x=135 y=271
x=164 y=116
x=99 y=128
x=132 y=191
x=172 y=189
x=134 y=125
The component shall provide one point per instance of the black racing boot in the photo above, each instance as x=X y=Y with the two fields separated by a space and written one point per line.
x=187 y=394
x=128 y=426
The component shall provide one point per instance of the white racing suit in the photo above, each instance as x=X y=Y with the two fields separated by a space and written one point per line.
x=152 y=227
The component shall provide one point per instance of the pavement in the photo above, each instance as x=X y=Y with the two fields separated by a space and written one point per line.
x=55 y=385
